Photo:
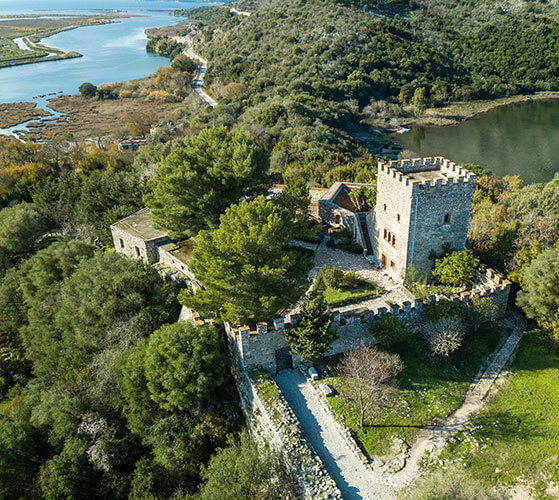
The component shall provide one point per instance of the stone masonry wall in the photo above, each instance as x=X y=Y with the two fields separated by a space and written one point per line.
x=134 y=247
x=409 y=218
x=171 y=261
x=428 y=231
x=393 y=214
x=271 y=420
x=257 y=349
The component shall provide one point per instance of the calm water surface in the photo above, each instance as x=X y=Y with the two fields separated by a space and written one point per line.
x=517 y=139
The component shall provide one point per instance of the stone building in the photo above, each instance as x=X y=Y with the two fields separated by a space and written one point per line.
x=421 y=205
x=338 y=209
x=135 y=237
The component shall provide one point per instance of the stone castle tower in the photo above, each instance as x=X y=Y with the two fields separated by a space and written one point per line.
x=421 y=205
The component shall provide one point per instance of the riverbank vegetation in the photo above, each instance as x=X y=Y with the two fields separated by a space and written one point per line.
x=322 y=72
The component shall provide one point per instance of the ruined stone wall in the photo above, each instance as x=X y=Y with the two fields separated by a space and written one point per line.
x=271 y=420
x=170 y=260
x=134 y=247
x=334 y=215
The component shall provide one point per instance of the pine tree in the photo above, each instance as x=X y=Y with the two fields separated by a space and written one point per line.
x=311 y=336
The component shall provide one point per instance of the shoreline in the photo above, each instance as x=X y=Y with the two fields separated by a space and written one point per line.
x=455 y=113
x=53 y=54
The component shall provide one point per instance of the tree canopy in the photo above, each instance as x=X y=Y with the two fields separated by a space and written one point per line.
x=455 y=268
x=248 y=272
x=539 y=298
x=196 y=183
x=183 y=362
x=20 y=228
x=311 y=336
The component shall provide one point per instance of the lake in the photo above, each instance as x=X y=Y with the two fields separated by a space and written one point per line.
x=517 y=139
x=111 y=52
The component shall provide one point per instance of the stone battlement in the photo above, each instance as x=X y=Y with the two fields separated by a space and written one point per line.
x=427 y=173
x=257 y=347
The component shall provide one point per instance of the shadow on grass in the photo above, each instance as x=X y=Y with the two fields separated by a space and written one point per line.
x=506 y=426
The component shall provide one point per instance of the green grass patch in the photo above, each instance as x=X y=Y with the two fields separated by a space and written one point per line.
x=342 y=287
x=429 y=391
x=344 y=295
x=516 y=435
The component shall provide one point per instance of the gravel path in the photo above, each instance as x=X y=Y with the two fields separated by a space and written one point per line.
x=355 y=481
x=435 y=440
x=198 y=81
x=346 y=261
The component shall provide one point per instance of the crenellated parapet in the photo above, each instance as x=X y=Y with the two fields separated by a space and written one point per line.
x=417 y=173
x=257 y=347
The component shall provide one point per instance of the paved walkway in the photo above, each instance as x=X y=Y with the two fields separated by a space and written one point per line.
x=346 y=261
x=355 y=480
x=198 y=82
x=435 y=440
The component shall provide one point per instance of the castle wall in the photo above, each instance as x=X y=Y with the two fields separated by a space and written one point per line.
x=135 y=247
x=429 y=231
x=392 y=214
x=257 y=349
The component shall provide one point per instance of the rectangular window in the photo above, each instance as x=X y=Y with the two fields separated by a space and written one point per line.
x=392 y=265
x=398 y=217
x=385 y=233
x=393 y=240
x=137 y=252
x=121 y=243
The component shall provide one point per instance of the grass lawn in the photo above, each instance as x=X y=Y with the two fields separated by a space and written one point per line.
x=516 y=435
x=345 y=294
x=429 y=390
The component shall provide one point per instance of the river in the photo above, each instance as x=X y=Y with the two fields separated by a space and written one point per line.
x=516 y=139
x=111 y=52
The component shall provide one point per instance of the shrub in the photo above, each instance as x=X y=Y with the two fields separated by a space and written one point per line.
x=444 y=336
x=456 y=268
x=87 y=90
x=390 y=331
x=453 y=484
x=442 y=308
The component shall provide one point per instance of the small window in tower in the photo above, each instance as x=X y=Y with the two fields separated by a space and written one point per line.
x=398 y=217
x=447 y=219
x=121 y=243
x=385 y=233
x=392 y=265
x=385 y=207
x=137 y=252
x=393 y=240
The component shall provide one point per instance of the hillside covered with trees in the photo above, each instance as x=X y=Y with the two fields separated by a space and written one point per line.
x=308 y=77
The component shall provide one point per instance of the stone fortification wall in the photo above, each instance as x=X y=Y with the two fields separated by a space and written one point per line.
x=257 y=348
x=271 y=420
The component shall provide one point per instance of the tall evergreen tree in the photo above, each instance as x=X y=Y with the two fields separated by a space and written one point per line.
x=311 y=336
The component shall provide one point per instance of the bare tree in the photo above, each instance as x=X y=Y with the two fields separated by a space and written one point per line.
x=368 y=375
x=444 y=335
